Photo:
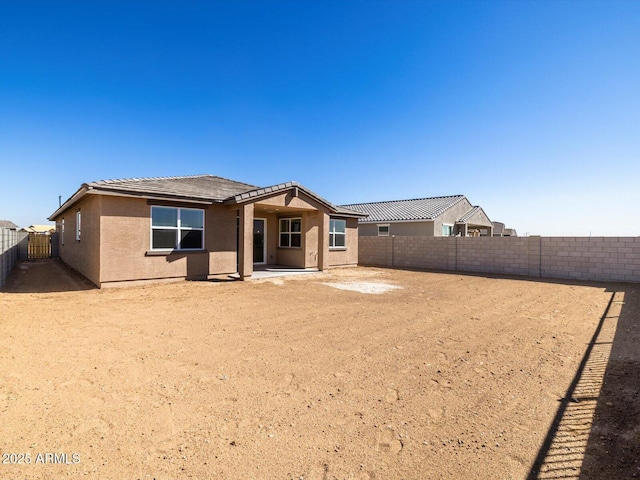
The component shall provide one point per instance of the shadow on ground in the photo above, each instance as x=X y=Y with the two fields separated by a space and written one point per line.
x=596 y=431
x=45 y=276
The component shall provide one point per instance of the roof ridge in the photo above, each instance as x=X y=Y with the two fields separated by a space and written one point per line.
x=407 y=200
x=140 y=179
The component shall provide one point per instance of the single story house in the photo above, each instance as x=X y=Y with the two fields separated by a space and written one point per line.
x=434 y=217
x=45 y=229
x=8 y=224
x=194 y=227
x=499 y=230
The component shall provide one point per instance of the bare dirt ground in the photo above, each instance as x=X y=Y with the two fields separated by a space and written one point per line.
x=444 y=376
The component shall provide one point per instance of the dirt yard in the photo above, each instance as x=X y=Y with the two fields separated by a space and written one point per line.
x=393 y=375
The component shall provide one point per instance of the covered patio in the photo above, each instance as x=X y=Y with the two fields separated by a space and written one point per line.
x=288 y=229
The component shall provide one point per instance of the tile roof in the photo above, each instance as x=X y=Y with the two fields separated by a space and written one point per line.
x=465 y=218
x=267 y=191
x=204 y=187
x=200 y=188
x=259 y=192
x=8 y=224
x=403 y=210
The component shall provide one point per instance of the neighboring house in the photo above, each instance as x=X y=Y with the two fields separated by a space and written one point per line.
x=8 y=225
x=435 y=216
x=499 y=230
x=47 y=229
x=193 y=227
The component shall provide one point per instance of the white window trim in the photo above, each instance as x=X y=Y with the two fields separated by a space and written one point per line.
x=289 y=232
x=332 y=234
x=383 y=225
x=78 y=225
x=177 y=229
x=448 y=225
x=62 y=232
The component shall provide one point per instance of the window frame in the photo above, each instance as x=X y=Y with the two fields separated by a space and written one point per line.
x=333 y=233
x=178 y=229
x=289 y=232
x=385 y=225
x=450 y=225
x=78 y=225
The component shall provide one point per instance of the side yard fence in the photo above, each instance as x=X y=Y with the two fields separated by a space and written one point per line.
x=13 y=246
x=580 y=258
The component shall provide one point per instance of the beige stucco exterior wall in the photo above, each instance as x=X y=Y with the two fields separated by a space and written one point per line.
x=311 y=227
x=304 y=256
x=272 y=237
x=349 y=255
x=221 y=239
x=126 y=239
x=82 y=255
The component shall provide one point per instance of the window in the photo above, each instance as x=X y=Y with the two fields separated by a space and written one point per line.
x=447 y=230
x=177 y=228
x=290 y=232
x=78 y=224
x=337 y=233
x=383 y=230
x=62 y=231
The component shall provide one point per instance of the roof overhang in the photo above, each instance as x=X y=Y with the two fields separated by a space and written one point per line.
x=254 y=196
x=250 y=196
x=90 y=190
x=385 y=222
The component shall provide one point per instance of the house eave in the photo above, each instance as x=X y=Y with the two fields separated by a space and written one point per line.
x=151 y=196
x=254 y=196
x=85 y=190
x=419 y=220
x=70 y=202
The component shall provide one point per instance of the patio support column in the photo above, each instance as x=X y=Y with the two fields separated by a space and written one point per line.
x=464 y=231
x=323 y=241
x=245 y=241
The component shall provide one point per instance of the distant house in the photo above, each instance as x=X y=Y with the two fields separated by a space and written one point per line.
x=140 y=229
x=39 y=229
x=499 y=230
x=435 y=216
x=8 y=225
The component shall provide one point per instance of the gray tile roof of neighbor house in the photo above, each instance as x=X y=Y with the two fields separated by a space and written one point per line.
x=467 y=216
x=405 y=210
x=8 y=224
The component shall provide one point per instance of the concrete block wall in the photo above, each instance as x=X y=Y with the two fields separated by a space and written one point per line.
x=10 y=241
x=580 y=258
x=423 y=252
x=591 y=258
x=493 y=254
x=375 y=251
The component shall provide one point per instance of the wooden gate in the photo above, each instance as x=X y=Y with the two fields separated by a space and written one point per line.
x=39 y=245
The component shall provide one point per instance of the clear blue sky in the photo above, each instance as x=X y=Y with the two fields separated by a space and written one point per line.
x=529 y=108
